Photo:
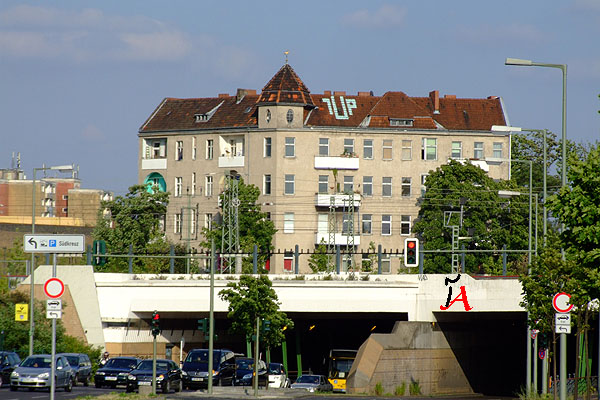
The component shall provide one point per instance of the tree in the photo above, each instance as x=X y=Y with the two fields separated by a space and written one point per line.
x=254 y=227
x=488 y=220
x=251 y=298
x=135 y=219
x=319 y=261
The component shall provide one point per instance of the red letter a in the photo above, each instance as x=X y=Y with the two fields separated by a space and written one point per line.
x=462 y=296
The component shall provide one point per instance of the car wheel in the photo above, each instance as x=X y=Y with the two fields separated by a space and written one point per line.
x=69 y=386
x=128 y=389
x=167 y=387
x=75 y=379
x=1 y=381
x=179 y=387
x=220 y=382
x=98 y=385
x=13 y=388
x=86 y=381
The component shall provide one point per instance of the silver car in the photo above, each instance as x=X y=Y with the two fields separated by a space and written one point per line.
x=313 y=383
x=34 y=372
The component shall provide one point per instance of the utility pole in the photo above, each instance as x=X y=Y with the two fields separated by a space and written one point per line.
x=191 y=221
x=350 y=229
x=230 y=234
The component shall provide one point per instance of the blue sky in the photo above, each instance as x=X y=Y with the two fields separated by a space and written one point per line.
x=80 y=77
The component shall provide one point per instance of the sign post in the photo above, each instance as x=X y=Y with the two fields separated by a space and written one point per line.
x=560 y=302
x=54 y=287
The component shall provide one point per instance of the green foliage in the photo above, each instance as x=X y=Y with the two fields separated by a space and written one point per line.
x=319 y=261
x=254 y=227
x=378 y=389
x=414 y=388
x=17 y=332
x=399 y=390
x=489 y=221
x=368 y=264
x=135 y=220
x=251 y=298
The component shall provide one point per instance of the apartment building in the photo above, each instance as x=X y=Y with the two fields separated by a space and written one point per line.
x=341 y=169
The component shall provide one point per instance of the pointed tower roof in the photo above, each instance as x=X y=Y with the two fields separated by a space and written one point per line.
x=286 y=88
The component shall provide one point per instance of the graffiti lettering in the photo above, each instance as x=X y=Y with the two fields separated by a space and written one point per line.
x=347 y=106
x=462 y=296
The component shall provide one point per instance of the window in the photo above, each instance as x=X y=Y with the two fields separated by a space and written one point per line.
x=288 y=223
x=386 y=263
x=289 y=186
x=192 y=222
x=323 y=183
x=193 y=183
x=178 y=186
x=347 y=224
x=177 y=224
x=267 y=147
x=367 y=221
x=405 y=224
x=423 y=187
x=194 y=148
x=65 y=197
x=368 y=149
x=497 y=150
x=386 y=225
x=348 y=184
x=407 y=149
x=386 y=186
x=401 y=122
x=208 y=185
x=208 y=219
x=289 y=116
x=323 y=147
x=322 y=223
x=406 y=186
x=288 y=261
x=290 y=147
x=387 y=149
x=233 y=147
x=179 y=152
x=209 y=149
x=368 y=185
x=267 y=184
x=456 y=150
x=429 y=149
x=348 y=146
x=478 y=150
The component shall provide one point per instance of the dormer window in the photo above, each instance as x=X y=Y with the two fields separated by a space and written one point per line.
x=401 y=122
x=201 y=117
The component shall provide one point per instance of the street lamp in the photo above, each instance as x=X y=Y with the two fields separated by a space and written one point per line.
x=502 y=128
x=60 y=168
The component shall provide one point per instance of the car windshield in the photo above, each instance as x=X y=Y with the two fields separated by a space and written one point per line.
x=73 y=361
x=275 y=369
x=308 y=379
x=120 y=363
x=202 y=356
x=147 y=365
x=37 y=362
x=244 y=364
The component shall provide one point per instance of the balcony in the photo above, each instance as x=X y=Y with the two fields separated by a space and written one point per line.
x=340 y=239
x=154 y=163
x=231 y=161
x=341 y=200
x=339 y=163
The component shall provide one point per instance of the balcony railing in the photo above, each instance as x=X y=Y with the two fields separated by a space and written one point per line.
x=336 y=162
x=340 y=239
x=340 y=200
x=231 y=161
x=154 y=163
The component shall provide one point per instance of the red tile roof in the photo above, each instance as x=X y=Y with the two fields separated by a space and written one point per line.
x=364 y=110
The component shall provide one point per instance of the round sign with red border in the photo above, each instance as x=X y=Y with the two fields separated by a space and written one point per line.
x=542 y=354
x=54 y=288
x=560 y=302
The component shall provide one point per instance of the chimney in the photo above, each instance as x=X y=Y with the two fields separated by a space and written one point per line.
x=365 y=94
x=339 y=93
x=243 y=92
x=327 y=93
x=434 y=95
x=223 y=95
x=450 y=96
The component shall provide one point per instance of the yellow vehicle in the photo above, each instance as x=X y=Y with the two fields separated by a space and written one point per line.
x=340 y=362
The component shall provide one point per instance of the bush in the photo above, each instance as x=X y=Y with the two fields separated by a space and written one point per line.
x=378 y=389
x=414 y=388
x=399 y=391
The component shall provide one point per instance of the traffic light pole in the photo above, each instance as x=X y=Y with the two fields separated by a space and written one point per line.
x=154 y=365
x=211 y=322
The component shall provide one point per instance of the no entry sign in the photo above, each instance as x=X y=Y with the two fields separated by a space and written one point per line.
x=54 y=288
x=560 y=302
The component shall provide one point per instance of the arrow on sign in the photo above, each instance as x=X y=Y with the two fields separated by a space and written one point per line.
x=561 y=328
x=33 y=243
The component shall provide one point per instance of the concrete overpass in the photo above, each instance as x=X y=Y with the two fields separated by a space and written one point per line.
x=397 y=316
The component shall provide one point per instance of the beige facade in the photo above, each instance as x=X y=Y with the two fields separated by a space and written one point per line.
x=306 y=164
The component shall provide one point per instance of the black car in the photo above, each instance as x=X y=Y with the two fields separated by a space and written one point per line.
x=115 y=371
x=168 y=376
x=243 y=366
x=195 y=368
x=248 y=378
x=8 y=362
x=82 y=367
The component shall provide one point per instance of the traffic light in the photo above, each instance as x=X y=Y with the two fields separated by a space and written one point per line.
x=99 y=247
x=266 y=325
x=203 y=325
x=155 y=323
x=411 y=252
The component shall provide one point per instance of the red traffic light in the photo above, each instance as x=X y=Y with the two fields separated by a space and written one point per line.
x=411 y=244
x=156 y=317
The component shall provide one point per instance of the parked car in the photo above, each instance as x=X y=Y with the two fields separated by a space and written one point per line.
x=263 y=375
x=243 y=366
x=195 y=368
x=8 y=362
x=82 y=367
x=313 y=383
x=168 y=376
x=115 y=371
x=34 y=372
x=277 y=376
